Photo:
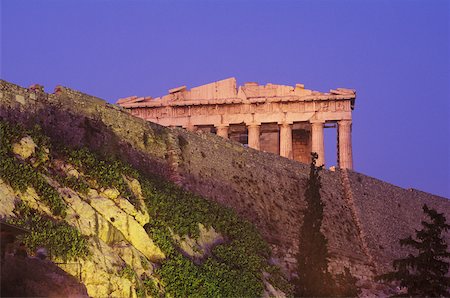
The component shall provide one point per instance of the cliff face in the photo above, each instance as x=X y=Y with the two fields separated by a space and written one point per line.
x=364 y=217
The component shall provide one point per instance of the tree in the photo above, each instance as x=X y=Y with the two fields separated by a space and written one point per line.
x=312 y=258
x=424 y=274
x=314 y=278
x=345 y=285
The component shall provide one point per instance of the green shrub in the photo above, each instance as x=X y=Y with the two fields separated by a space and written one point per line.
x=61 y=239
x=106 y=172
x=234 y=268
x=127 y=272
x=20 y=174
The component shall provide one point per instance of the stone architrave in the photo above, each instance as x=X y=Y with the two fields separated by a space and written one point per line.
x=259 y=107
x=345 y=144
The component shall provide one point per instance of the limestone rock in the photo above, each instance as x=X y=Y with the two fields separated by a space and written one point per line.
x=34 y=201
x=100 y=272
x=133 y=258
x=199 y=248
x=141 y=215
x=66 y=168
x=270 y=291
x=128 y=226
x=110 y=193
x=7 y=198
x=24 y=148
x=88 y=221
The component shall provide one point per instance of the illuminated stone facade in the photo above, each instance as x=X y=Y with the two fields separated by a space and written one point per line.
x=286 y=120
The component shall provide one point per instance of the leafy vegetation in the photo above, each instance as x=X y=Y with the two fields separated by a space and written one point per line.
x=76 y=183
x=233 y=268
x=105 y=172
x=426 y=273
x=127 y=272
x=148 y=288
x=61 y=239
x=20 y=174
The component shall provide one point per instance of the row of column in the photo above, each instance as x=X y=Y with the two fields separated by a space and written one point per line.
x=345 y=157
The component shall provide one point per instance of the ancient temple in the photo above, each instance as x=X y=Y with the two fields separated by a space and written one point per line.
x=286 y=120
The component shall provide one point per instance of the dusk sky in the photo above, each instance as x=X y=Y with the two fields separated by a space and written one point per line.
x=394 y=53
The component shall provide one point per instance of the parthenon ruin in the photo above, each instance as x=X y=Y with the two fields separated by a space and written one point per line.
x=285 y=120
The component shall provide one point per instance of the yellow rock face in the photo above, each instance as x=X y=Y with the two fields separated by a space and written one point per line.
x=117 y=243
x=100 y=272
x=142 y=215
x=25 y=148
x=128 y=226
x=82 y=216
x=110 y=193
x=133 y=258
x=34 y=201
x=7 y=198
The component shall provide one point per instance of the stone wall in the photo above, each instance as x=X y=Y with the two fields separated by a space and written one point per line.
x=388 y=213
x=268 y=190
x=78 y=119
x=364 y=217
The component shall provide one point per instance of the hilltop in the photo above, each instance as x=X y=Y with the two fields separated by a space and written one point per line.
x=162 y=203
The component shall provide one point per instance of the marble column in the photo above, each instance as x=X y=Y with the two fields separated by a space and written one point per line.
x=345 y=144
x=191 y=127
x=222 y=130
x=253 y=135
x=286 y=140
x=317 y=142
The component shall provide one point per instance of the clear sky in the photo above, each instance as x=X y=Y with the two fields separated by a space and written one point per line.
x=394 y=53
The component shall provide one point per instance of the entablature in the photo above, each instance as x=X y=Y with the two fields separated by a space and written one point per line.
x=225 y=93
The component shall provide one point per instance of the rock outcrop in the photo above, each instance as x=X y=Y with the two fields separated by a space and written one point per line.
x=364 y=217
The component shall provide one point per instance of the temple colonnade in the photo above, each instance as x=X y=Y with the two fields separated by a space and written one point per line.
x=287 y=120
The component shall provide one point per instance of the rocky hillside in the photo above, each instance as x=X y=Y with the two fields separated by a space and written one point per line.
x=124 y=233
x=150 y=201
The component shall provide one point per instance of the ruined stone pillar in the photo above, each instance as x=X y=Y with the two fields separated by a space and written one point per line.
x=345 y=144
x=317 y=142
x=222 y=130
x=253 y=135
x=286 y=140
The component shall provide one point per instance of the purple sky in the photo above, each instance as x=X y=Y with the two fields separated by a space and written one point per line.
x=394 y=53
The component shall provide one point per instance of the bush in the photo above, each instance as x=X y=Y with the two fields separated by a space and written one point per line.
x=61 y=239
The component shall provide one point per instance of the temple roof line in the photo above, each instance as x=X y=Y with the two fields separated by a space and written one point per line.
x=226 y=92
x=136 y=102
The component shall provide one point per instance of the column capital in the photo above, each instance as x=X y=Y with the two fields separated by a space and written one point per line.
x=285 y=123
x=253 y=124
x=345 y=122
x=317 y=122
